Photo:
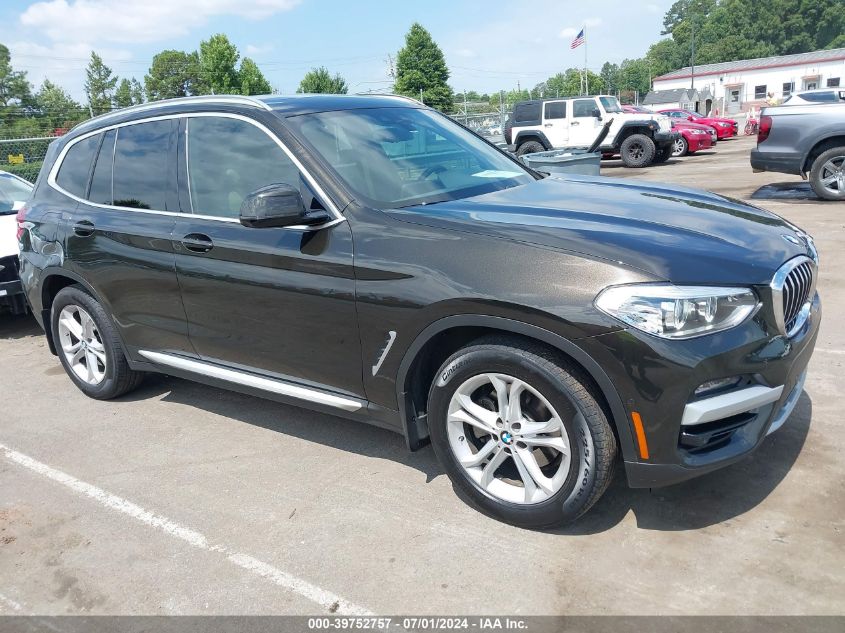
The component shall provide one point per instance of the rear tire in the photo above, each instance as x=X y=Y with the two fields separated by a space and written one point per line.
x=529 y=147
x=827 y=177
x=556 y=436
x=88 y=346
x=638 y=151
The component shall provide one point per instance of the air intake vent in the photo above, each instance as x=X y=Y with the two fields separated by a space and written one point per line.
x=793 y=286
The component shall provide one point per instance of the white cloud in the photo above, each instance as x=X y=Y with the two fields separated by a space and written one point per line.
x=258 y=49
x=62 y=63
x=569 y=32
x=592 y=22
x=131 y=21
x=572 y=31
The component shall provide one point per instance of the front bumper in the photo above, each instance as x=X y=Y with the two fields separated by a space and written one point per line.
x=664 y=139
x=699 y=142
x=688 y=436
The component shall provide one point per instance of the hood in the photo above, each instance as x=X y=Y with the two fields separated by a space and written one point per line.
x=8 y=235
x=673 y=233
x=714 y=119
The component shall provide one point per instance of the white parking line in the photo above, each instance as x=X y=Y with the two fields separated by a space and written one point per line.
x=326 y=599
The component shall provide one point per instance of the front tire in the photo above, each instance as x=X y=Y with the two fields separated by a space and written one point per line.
x=827 y=177
x=637 y=151
x=518 y=428
x=680 y=147
x=88 y=346
x=530 y=147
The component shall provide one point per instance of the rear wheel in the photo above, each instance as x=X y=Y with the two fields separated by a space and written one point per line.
x=520 y=431
x=680 y=147
x=827 y=177
x=88 y=346
x=529 y=147
x=637 y=150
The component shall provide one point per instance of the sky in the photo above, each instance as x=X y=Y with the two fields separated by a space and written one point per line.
x=489 y=45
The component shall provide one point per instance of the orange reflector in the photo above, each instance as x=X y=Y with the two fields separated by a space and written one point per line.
x=638 y=427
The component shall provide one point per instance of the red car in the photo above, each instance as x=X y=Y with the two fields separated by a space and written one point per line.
x=725 y=128
x=693 y=137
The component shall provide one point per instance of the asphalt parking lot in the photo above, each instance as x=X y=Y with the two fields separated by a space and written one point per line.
x=184 y=499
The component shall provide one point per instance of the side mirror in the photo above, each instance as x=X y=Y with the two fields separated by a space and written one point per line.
x=597 y=113
x=278 y=205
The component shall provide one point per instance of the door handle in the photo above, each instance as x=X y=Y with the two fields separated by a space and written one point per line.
x=576 y=123
x=84 y=228
x=197 y=242
x=548 y=125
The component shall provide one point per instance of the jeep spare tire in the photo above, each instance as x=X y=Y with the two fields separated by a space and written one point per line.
x=637 y=151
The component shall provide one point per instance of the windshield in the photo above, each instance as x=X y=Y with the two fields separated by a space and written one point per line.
x=399 y=157
x=611 y=104
x=12 y=190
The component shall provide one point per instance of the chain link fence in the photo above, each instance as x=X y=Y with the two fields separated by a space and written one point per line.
x=24 y=156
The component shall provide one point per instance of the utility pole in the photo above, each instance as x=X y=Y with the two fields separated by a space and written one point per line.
x=692 y=59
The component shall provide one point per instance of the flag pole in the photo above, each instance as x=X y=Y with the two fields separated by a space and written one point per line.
x=586 y=77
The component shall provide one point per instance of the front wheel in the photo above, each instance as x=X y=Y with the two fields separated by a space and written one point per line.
x=827 y=177
x=519 y=430
x=680 y=147
x=637 y=151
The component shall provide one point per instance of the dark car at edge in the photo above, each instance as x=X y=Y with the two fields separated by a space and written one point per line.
x=368 y=257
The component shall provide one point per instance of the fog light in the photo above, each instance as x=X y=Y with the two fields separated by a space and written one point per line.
x=717 y=385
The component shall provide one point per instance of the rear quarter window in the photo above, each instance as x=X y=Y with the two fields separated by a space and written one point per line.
x=526 y=113
x=76 y=166
x=140 y=169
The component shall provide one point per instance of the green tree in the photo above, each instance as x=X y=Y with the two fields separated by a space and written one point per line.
x=99 y=85
x=318 y=80
x=610 y=76
x=137 y=91
x=123 y=94
x=635 y=74
x=14 y=87
x=252 y=80
x=173 y=74
x=55 y=107
x=218 y=59
x=421 y=71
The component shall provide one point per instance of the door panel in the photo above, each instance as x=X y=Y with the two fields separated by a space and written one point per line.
x=584 y=127
x=555 y=123
x=126 y=254
x=280 y=301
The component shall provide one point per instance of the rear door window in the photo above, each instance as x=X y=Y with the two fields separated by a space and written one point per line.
x=141 y=157
x=101 y=180
x=526 y=113
x=76 y=166
x=556 y=110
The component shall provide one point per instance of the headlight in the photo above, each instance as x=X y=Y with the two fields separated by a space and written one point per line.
x=698 y=132
x=724 y=124
x=678 y=312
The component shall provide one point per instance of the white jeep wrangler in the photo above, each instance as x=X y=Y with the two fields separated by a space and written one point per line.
x=546 y=124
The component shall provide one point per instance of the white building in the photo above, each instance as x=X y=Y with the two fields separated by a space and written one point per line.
x=737 y=86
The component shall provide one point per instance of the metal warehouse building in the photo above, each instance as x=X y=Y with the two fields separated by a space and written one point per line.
x=734 y=87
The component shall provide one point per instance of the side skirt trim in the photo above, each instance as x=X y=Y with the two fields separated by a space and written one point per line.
x=251 y=380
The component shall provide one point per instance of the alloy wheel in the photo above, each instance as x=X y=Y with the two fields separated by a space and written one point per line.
x=678 y=147
x=82 y=344
x=508 y=438
x=636 y=151
x=832 y=175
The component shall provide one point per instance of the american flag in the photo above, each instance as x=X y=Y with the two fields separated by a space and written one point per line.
x=578 y=40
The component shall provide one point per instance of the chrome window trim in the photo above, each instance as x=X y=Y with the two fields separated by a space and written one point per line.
x=776 y=286
x=270 y=385
x=318 y=190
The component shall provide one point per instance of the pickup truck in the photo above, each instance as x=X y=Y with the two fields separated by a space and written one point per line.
x=807 y=140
